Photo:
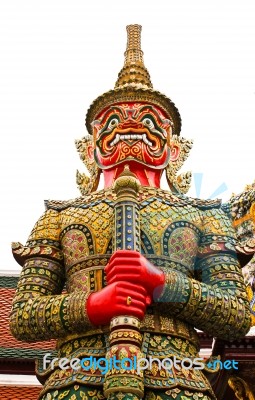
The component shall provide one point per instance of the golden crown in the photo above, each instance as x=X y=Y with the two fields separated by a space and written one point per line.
x=134 y=85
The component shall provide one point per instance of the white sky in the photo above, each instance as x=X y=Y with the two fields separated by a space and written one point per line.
x=56 y=57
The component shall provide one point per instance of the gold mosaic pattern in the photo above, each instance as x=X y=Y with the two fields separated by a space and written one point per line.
x=175 y=227
x=98 y=219
x=39 y=309
x=219 y=301
x=190 y=240
x=75 y=246
x=47 y=227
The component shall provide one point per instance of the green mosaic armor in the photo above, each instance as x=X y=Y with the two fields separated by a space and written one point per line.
x=192 y=241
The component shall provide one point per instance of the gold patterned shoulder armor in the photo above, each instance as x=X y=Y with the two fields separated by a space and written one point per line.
x=100 y=195
x=60 y=205
x=203 y=204
x=242 y=209
x=145 y=192
x=43 y=240
x=177 y=199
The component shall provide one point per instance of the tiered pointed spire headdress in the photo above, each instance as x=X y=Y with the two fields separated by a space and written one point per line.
x=134 y=85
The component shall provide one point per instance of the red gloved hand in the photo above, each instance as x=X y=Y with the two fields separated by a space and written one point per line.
x=113 y=300
x=131 y=266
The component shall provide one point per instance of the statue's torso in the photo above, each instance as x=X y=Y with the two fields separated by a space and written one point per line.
x=171 y=232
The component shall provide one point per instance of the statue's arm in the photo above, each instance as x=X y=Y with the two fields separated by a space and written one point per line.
x=39 y=310
x=216 y=300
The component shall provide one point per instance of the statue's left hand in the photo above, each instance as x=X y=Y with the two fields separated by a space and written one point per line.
x=133 y=267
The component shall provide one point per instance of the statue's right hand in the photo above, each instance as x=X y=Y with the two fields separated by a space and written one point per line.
x=118 y=298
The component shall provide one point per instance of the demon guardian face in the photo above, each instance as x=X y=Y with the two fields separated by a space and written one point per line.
x=133 y=133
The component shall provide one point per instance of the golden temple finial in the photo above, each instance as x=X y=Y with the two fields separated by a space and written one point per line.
x=133 y=52
x=134 y=71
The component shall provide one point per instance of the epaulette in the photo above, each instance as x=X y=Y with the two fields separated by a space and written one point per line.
x=204 y=204
x=146 y=194
x=60 y=205
x=240 y=204
x=180 y=199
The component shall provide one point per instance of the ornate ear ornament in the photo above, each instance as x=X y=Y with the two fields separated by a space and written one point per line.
x=241 y=388
x=179 y=183
x=87 y=184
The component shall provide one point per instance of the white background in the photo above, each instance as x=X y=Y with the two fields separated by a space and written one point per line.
x=56 y=57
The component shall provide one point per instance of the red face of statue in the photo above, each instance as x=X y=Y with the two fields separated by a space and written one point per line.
x=132 y=132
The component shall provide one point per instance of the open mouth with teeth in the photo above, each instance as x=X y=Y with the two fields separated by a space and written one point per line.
x=130 y=139
x=153 y=143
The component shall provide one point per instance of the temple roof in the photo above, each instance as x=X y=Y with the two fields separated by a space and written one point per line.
x=19 y=392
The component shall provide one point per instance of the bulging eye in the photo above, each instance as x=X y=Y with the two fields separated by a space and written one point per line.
x=148 y=123
x=114 y=122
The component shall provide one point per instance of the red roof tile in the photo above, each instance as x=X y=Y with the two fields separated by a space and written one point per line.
x=6 y=338
x=19 y=392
